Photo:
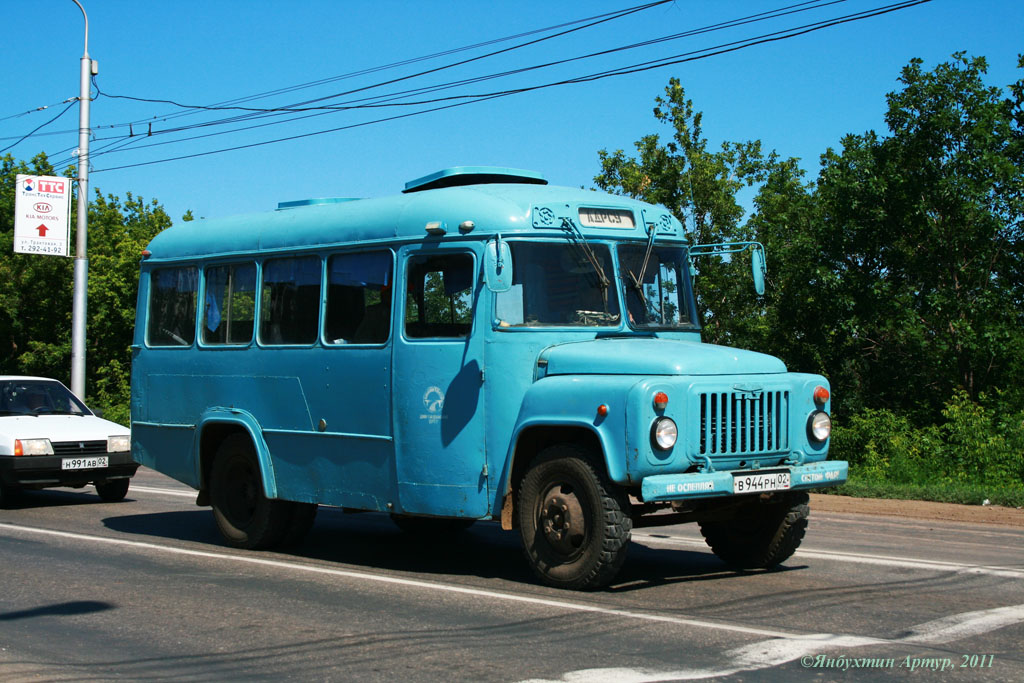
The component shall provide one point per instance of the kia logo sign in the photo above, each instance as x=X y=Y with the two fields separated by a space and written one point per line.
x=42 y=207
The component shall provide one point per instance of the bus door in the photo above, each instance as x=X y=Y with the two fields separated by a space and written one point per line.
x=437 y=386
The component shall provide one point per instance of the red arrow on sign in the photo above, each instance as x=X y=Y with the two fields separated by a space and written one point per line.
x=42 y=230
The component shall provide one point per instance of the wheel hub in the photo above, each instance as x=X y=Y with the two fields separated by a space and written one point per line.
x=562 y=520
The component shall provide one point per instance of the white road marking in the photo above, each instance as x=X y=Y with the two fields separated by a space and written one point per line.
x=414 y=583
x=769 y=653
x=185 y=493
x=833 y=555
x=781 y=648
x=860 y=558
x=964 y=625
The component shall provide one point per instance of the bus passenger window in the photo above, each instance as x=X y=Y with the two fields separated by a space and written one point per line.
x=358 y=298
x=172 y=307
x=439 y=302
x=290 y=300
x=230 y=304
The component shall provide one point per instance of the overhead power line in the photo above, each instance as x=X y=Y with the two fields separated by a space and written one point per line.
x=394 y=98
x=39 y=127
x=620 y=71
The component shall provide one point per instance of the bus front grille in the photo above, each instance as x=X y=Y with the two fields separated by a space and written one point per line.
x=743 y=423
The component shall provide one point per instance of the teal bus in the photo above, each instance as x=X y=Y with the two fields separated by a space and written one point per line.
x=482 y=346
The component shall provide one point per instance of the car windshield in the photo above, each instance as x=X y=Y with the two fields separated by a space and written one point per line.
x=38 y=397
x=559 y=284
x=659 y=297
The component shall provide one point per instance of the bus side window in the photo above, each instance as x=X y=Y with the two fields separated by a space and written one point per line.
x=230 y=304
x=440 y=296
x=172 y=307
x=358 y=298
x=290 y=300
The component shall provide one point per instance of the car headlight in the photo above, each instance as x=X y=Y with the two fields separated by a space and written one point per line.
x=664 y=433
x=119 y=444
x=819 y=426
x=32 y=447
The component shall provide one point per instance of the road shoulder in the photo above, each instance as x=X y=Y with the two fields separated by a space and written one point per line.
x=918 y=509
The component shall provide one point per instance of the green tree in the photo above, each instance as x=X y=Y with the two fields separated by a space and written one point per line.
x=699 y=186
x=912 y=247
x=36 y=293
x=118 y=232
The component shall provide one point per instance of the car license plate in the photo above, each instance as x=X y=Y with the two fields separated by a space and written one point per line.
x=84 y=463
x=763 y=481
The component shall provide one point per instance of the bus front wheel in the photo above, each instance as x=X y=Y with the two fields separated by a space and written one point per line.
x=575 y=525
x=762 y=536
x=245 y=517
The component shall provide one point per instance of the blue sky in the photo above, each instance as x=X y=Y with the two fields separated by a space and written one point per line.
x=799 y=96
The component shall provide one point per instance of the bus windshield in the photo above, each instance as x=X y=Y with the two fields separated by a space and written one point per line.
x=557 y=284
x=663 y=299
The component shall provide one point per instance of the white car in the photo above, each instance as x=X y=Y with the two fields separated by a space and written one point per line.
x=50 y=438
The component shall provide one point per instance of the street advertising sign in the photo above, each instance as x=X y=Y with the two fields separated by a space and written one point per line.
x=42 y=214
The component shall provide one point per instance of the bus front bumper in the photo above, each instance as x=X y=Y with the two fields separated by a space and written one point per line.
x=668 y=487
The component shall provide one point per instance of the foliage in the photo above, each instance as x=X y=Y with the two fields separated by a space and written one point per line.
x=920 y=239
x=975 y=443
x=963 y=494
x=898 y=272
x=699 y=187
x=36 y=293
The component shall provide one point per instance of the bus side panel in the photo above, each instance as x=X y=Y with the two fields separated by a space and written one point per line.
x=333 y=469
x=166 y=449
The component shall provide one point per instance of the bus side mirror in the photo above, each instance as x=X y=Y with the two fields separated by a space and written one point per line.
x=758 y=268
x=498 y=266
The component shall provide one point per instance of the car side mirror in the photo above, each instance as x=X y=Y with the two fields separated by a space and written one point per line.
x=498 y=266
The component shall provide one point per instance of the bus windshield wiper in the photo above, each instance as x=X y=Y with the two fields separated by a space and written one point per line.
x=638 y=280
x=581 y=241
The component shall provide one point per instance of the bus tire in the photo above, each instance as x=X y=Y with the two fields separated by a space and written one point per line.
x=764 y=535
x=245 y=517
x=574 y=523
x=112 y=491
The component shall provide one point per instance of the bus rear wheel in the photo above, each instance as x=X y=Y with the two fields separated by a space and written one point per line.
x=245 y=517
x=575 y=525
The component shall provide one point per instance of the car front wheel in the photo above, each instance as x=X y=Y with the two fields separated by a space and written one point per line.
x=112 y=491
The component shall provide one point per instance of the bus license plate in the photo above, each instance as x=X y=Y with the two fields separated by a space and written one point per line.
x=764 y=481
x=84 y=463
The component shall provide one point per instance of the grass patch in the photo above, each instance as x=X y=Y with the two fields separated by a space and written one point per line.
x=939 y=492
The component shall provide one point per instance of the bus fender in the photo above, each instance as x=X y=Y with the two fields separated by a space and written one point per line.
x=554 y=430
x=215 y=418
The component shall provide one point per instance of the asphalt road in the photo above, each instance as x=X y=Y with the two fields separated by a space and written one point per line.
x=144 y=590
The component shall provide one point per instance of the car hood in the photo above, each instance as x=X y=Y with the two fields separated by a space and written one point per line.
x=632 y=356
x=59 y=428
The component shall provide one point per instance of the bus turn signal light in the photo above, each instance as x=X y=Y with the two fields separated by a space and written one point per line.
x=661 y=400
x=821 y=395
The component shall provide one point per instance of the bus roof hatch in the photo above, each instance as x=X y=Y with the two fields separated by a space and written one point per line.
x=473 y=175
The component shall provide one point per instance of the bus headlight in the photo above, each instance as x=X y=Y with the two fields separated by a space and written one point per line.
x=819 y=426
x=664 y=433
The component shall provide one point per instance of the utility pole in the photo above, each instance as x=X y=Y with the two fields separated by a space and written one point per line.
x=81 y=286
